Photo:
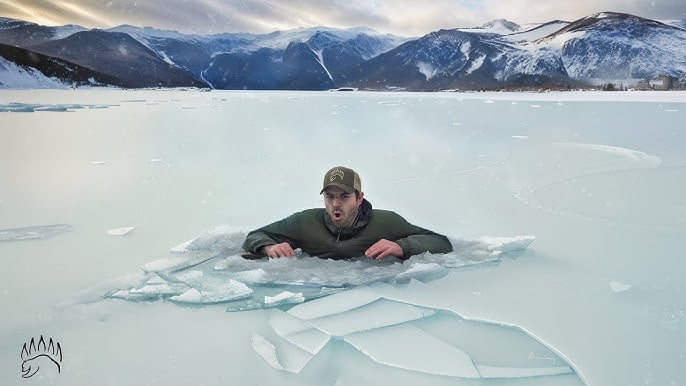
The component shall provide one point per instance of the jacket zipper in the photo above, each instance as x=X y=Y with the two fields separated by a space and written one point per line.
x=339 y=235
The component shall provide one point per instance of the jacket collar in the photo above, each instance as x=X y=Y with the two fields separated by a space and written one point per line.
x=364 y=214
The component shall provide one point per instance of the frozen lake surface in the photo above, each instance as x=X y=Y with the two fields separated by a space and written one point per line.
x=121 y=214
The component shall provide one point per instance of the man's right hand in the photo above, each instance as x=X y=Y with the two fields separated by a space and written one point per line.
x=278 y=250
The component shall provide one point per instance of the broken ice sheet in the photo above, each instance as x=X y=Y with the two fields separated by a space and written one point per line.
x=380 y=313
x=281 y=356
x=207 y=262
x=297 y=332
x=413 y=349
x=215 y=294
x=412 y=337
x=336 y=303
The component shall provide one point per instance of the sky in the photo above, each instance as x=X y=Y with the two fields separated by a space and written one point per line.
x=400 y=17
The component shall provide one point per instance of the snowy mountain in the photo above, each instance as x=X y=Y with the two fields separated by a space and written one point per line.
x=24 y=34
x=243 y=60
x=455 y=59
x=21 y=68
x=595 y=49
x=499 y=26
x=618 y=46
x=120 y=56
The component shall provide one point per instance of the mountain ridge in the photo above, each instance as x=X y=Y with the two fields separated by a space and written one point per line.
x=594 y=49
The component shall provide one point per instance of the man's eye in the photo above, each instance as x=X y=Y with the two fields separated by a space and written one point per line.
x=345 y=196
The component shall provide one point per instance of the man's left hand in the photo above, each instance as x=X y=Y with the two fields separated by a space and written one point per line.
x=383 y=248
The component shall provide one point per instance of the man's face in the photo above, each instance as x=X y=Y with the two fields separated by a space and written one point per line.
x=341 y=206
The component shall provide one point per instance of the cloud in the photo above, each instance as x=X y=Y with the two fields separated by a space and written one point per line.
x=403 y=17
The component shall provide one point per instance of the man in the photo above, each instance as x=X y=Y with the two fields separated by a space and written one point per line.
x=346 y=228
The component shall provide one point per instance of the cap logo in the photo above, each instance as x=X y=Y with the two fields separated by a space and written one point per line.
x=336 y=173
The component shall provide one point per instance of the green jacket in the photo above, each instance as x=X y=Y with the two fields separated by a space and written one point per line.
x=312 y=231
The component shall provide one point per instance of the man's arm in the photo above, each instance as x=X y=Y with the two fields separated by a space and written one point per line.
x=277 y=239
x=411 y=239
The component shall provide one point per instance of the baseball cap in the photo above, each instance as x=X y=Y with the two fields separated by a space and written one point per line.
x=344 y=178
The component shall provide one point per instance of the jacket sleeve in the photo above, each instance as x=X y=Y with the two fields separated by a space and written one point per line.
x=286 y=230
x=417 y=240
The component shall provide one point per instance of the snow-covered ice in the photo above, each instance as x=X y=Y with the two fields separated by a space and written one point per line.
x=120 y=231
x=593 y=182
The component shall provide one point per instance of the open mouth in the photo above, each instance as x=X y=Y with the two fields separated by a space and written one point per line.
x=337 y=215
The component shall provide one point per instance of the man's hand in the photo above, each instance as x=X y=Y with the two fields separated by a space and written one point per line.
x=383 y=248
x=278 y=250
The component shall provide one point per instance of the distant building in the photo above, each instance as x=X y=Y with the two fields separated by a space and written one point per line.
x=662 y=83
x=644 y=85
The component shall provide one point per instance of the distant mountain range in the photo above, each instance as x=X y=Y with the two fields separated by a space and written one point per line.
x=604 y=47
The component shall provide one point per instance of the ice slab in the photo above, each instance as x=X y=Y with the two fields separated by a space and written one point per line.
x=266 y=350
x=154 y=290
x=297 y=332
x=333 y=304
x=119 y=231
x=619 y=287
x=287 y=358
x=283 y=298
x=183 y=247
x=409 y=349
x=222 y=239
x=381 y=313
x=518 y=372
x=216 y=294
x=34 y=232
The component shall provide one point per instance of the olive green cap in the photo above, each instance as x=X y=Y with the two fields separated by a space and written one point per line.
x=344 y=178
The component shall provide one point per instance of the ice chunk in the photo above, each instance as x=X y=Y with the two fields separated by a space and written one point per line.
x=119 y=231
x=380 y=313
x=183 y=247
x=252 y=276
x=34 y=232
x=336 y=303
x=521 y=372
x=285 y=324
x=190 y=296
x=219 y=239
x=192 y=278
x=297 y=332
x=292 y=359
x=409 y=351
x=266 y=350
x=154 y=289
x=216 y=294
x=284 y=297
x=127 y=295
x=619 y=287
